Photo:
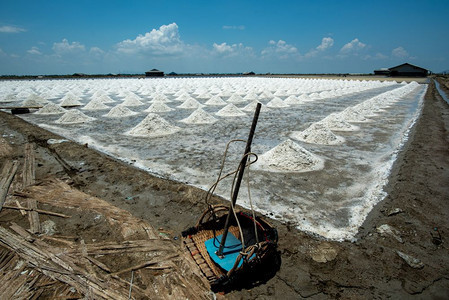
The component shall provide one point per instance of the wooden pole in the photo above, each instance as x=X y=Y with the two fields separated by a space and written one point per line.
x=239 y=178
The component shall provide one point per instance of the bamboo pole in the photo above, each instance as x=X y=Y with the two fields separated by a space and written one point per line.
x=8 y=172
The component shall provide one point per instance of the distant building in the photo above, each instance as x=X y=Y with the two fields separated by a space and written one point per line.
x=405 y=70
x=154 y=73
x=249 y=73
x=408 y=70
x=382 y=71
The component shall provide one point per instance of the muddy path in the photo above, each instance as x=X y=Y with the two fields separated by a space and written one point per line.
x=401 y=251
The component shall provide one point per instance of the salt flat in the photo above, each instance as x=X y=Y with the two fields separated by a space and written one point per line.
x=325 y=146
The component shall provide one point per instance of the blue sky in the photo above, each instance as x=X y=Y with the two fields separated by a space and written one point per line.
x=65 y=37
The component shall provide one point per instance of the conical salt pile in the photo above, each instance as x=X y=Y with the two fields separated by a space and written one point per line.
x=277 y=103
x=336 y=123
x=74 y=116
x=95 y=105
x=352 y=114
x=32 y=103
x=252 y=106
x=289 y=157
x=37 y=98
x=132 y=100
x=236 y=99
x=205 y=95
x=153 y=126
x=304 y=97
x=103 y=98
x=230 y=110
x=158 y=106
x=317 y=133
x=159 y=97
x=251 y=96
x=215 y=101
x=69 y=101
x=120 y=111
x=292 y=100
x=190 y=104
x=51 y=109
x=199 y=116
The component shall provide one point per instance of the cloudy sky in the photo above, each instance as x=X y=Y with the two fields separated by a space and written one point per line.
x=65 y=37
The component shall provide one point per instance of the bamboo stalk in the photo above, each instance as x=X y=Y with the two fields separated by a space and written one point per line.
x=41 y=211
x=8 y=172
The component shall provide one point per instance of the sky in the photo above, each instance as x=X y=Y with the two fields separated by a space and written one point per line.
x=43 y=37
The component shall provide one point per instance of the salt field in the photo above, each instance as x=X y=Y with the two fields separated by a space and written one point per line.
x=325 y=147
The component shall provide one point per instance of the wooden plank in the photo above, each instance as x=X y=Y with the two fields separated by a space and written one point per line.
x=28 y=175
x=8 y=172
x=33 y=216
x=28 y=172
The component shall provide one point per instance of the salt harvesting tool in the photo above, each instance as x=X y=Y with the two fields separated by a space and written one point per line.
x=233 y=247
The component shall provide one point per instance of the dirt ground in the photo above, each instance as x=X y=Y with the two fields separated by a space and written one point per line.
x=407 y=259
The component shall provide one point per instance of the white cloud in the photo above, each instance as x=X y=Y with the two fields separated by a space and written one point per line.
x=233 y=27
x=326 y=43
x=399 y=52
x=162 y=41
x=65 y=47
x=226 y=50
x=2 y=53
x=352 y=47
x=34 y=51
x=11 y=29
x=96 y=51
x=280 y=49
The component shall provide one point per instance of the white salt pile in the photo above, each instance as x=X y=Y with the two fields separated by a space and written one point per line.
x=292 y=100
x=352 y=114
x=51 y=109
x=317 y=133
x=183 y=96
x=157 y=107
x=74 y=116
x=277 y=103
x=336 y=122
x=71 y=96
x=190 y=103
x=37 y=98
x=153 y=126
x=32 y=103
x=266 y=95
x=95 y=105
x=215 y=101
x=251 y=107
x=289 y=157
x=103 y=98
x=120 y=111
x=251 y=96
x=132 y=100
x=205 y=95
x=69 y=101
x=199 y=116
x=159 y=97
x=236 y=99
x=230 y=110
x=304 y=97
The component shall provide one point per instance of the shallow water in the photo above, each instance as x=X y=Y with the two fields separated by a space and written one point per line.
x=442 y=93
x=332 y=202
